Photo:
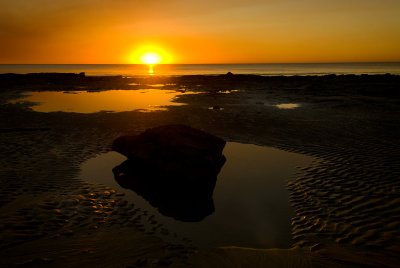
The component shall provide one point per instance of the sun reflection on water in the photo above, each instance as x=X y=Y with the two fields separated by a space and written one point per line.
x=286 y=106
x=151 y=69
x=110 y=100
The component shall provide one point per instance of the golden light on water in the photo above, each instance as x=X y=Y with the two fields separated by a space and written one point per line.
x=110 y=100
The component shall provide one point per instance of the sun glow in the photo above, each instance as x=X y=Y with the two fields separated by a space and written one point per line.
x=150 y=55
x=150 y=58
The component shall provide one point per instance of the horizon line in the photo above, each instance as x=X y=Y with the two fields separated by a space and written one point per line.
x=248 y=63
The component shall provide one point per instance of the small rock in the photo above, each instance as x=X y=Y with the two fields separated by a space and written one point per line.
x=216 y=107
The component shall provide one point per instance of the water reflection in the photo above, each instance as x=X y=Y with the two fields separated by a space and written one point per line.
x=151 y=69
x=109 y=100
x=286 y=106
x=251 y=200
x=181 y=202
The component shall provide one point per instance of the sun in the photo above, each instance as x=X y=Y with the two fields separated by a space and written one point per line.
x=149 y=54
x=150 y=58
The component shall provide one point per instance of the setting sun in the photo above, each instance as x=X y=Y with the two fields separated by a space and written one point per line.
x=149 y=54
x=150 y=58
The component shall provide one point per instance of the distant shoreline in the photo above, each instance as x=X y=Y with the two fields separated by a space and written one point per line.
x=255 y=63
x=265 y=69
x=83 y=75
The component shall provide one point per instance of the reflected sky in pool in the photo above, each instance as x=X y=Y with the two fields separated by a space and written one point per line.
x=287 y=106
x=108 y=100
x=251 y=200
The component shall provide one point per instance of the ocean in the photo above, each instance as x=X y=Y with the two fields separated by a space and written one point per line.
x=133 y=70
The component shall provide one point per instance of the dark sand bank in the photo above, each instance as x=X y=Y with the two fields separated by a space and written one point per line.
x=346 y=204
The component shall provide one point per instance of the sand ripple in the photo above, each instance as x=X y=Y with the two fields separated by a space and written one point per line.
x=349 y=198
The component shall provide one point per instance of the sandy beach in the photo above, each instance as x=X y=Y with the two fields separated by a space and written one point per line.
x=346 y=202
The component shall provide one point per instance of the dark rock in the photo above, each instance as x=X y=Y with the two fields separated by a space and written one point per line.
x=216 y=107
x=174 y=167
x=178 y=150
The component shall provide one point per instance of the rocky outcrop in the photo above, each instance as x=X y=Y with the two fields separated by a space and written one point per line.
x=174 y=167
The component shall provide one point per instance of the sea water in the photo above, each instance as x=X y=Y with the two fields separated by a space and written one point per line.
x=134 y=70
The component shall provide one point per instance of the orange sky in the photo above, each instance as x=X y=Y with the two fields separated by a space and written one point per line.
x=234 y=31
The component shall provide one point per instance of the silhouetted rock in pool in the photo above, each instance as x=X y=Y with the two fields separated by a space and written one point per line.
x=174 y=167
x=165 y=193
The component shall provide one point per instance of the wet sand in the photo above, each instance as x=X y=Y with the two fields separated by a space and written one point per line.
x=346 y=204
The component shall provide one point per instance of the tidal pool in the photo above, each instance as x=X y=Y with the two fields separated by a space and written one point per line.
x=96 y=101
x=287 y=106
x=250 y=198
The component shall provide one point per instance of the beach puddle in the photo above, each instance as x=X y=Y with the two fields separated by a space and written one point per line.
x=287 y=106
x=96 y=101
x=227 y=91
x=218 y=108
x=251 y=202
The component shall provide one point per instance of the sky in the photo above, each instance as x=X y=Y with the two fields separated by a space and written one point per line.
x=193 y=31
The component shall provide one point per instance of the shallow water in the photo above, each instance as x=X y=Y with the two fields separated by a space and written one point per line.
x=109 y=100
x=251 y=200
x=287 y=106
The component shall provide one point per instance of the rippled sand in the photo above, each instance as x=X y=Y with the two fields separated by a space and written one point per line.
x=346 y=202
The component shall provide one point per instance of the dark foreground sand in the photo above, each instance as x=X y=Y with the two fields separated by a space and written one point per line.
x=347 y=203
